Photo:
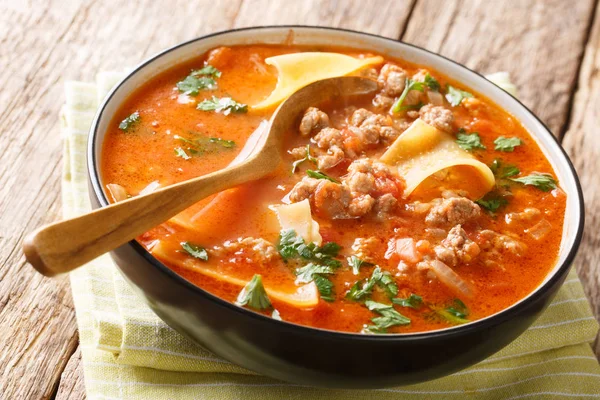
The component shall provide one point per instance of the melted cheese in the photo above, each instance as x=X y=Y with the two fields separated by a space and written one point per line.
x=423 y=151
x=305 y=296
x=297 y=70
x=297 y=216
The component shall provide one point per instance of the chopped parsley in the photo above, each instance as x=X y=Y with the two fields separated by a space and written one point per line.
x=469 y=141
x=492 y=202
x=389 y=317
x=195 y=251
x=364 y=287
x=356 y=263
x=408 y=86
x=455 y=96
x=308 y=157
x=412 y=301
x=318 y=261
x=207 y=70
x=226 y=105
x=543 y=181
x=179 y=152
x=200 y=145
x=320 y=175
x=507 y=144
x=192 y=85
x=456 y=313
x=129 y=122
x=502 y=170
x=432 y=83
x=254 y=295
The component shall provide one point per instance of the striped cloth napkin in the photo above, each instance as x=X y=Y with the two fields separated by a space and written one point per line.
x=129 y=353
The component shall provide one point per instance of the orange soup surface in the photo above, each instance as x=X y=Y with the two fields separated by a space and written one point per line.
x=358 y=253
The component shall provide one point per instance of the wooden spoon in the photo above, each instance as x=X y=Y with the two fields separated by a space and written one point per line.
x=65 y=245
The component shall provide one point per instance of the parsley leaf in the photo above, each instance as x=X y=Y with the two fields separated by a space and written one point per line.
x=223 y=142
x=320 y=175
x=207 y=70
x=179 y=152
x=195 y=251
x=455 y=96
x=408 y=86
x=129 y=122
x=469 y=141
x=502 y=170
x=432 y=83
x=202 y=144
x=543 y=181
x=356 y=263
x=412 y=301
x=192 y=85
x=507 y=144
x=364 y=288
x=320 y=261
x=389 y=317
x=226 y=105
x=254 y=294
x=456 y=313
x=308 y=157
x=492 y=203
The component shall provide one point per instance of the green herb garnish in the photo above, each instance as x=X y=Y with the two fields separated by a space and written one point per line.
x=306 y=274
x=179 y=152
x=129 y=122
x=254 y=295
x=320 y=175
x=192 y=85
x=195 y=251
x=408 y=86
x=356 y=263
x=455 y=96
x=308 y=157
x=364 y=287
x=432 y=83
x=507 y=144
x=226 y=105
x=456 y=313
x=223 y=142
x=325 y=288
x=207 y=70
x=389 y=317
x=469 y=141
x=412 y=301
x=543 y=181
x=502 y=170
x=492 y=204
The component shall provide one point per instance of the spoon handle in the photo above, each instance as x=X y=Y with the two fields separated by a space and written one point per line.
x=63 y=246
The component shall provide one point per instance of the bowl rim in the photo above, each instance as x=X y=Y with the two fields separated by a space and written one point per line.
x=471 y=327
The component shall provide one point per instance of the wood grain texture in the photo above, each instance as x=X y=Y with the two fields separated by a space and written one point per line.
x=540 y=42
x=44 y=43
x=582 y=143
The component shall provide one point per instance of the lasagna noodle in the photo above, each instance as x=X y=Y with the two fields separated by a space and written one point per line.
x=422 y=152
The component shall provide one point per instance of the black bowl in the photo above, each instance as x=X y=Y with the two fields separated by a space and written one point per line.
x=312 y=356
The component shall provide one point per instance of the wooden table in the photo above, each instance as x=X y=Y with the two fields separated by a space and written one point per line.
x=551 y=49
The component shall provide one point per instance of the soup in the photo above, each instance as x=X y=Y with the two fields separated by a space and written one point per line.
x=418 y=207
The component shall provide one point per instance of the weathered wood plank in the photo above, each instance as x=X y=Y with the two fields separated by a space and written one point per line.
x=582 y=143
x=71 y=382
x=540 y=42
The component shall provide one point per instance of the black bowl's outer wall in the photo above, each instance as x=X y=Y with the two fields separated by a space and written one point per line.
x=315 y=357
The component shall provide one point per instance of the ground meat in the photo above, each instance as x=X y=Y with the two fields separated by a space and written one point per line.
x=527 y=215
x=329 y=137
x=457 y=248
x=361 y=205
x=333 y=157
x=385 y=206
x=373 y=127
x=313 y=121
x=331 y=200
x=252 y=249
x=367 y=248
x=361 y=182
x=438 y=117
x=383 y=102
x=392 y=80
x=453 y=211
x=491 y=241
x=303 y=189
x=298 y=153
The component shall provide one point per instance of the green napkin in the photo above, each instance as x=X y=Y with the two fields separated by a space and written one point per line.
x=129 y=353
